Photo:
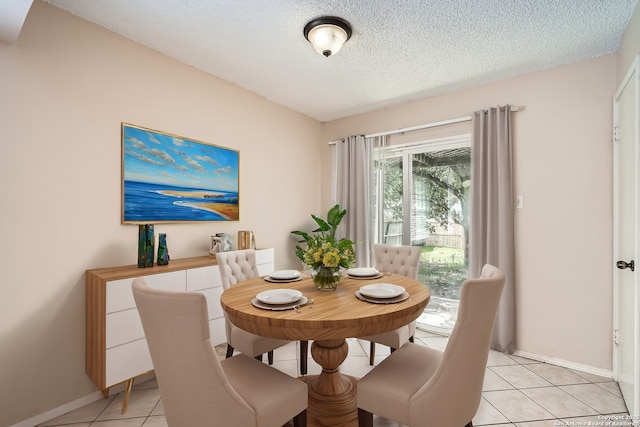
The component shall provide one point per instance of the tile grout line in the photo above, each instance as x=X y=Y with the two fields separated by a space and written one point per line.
x=150 y=419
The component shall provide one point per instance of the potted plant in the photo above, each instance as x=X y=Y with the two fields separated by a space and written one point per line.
x=325 y=253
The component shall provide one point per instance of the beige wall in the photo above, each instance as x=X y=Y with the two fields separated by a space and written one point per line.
x=563 y=168
x=65 y=89
x=68 y=85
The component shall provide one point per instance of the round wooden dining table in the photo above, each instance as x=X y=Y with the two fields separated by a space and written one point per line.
x=328 y=318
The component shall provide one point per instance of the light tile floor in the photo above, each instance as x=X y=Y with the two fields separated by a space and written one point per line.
x=517 y=392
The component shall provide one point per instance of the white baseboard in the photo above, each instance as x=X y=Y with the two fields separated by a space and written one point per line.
x=60 y=410
x=76 y=404
x=566 y=364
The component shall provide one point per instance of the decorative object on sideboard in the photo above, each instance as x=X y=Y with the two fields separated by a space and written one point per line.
x=213 y=247
x=158 y=175
x=145 y=245
x=142 y=245
x=221 y=242
x=150 y=246
x=163 y=251
x=246 y=240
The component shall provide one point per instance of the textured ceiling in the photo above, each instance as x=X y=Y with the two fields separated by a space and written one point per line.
x=401 y=50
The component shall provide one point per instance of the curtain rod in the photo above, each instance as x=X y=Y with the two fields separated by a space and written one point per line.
x=420 y=127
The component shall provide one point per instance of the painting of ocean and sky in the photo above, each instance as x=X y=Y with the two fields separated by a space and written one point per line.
x=167 y=178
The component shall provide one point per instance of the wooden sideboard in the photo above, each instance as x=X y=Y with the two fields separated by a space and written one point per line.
x=116 y=349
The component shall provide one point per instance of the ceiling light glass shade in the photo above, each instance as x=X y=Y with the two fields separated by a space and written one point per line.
x=327 y=34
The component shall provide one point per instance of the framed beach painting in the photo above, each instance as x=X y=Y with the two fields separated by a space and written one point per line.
x=169 y=178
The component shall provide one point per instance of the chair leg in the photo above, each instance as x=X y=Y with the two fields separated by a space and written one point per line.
x=229 y=351
x=469 y=425
x=258 y=357
x=372 y=352
x=391 y=350
x=365 y=418
x=304 y=346
x=411 y=339
x=300 y=420
x=270 y=357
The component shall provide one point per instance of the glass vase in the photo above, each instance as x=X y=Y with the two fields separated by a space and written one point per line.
x=163 y=251
x=326 y=278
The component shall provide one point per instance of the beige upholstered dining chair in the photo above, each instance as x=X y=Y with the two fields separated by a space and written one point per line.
x=420 y=386
x=198 y=389
x=236 y=266
x=402 y=260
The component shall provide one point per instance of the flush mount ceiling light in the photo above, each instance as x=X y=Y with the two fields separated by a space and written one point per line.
x=327 y=34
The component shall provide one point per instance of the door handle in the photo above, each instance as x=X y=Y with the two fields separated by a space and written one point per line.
x=623 y=264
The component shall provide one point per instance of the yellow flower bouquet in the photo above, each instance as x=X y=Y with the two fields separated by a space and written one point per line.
x=325 y=253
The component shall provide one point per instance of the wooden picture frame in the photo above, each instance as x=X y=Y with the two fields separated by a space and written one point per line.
x=169 y=178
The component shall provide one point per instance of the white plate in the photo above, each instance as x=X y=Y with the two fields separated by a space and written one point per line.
x=279 y=307
x=285 y=274
x=382 y=290
x=399 y=298
x=272 y=280
x=362 y=272
x=377 y=276
x=279 y=296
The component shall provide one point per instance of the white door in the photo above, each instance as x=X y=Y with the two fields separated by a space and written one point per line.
x=626 y=215
x=425 y=202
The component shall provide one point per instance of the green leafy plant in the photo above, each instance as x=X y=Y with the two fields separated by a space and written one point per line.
x=324 y=249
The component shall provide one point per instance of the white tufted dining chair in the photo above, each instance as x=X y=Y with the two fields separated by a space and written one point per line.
x=236 y=266
x=198 y=389
x=402 y=260
x=423 y=387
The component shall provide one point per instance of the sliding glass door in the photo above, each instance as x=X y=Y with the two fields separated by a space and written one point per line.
x=423 y=200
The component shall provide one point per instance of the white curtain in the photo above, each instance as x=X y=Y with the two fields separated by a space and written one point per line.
x=492 y=212
x=353 y=193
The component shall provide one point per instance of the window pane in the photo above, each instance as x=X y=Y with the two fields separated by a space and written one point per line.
x=424 y=202
x=392 y=202
x=440 y=224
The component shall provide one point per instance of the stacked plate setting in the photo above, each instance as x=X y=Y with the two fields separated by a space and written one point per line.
x=382 y=293
x=363 y=273
x=279 y=299
x=284 y=276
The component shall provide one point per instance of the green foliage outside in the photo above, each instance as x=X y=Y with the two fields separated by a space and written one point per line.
x=440 y=193
x=443 y=270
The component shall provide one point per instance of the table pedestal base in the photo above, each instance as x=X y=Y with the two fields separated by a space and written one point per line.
x=332 y=396
x=332 y=411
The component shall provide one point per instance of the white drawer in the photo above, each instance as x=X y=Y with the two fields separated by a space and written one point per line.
x=127 y=361
x=218 y=334
x=213 y=302
x=123 y=327
x=120 y=297
x=203 y=278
